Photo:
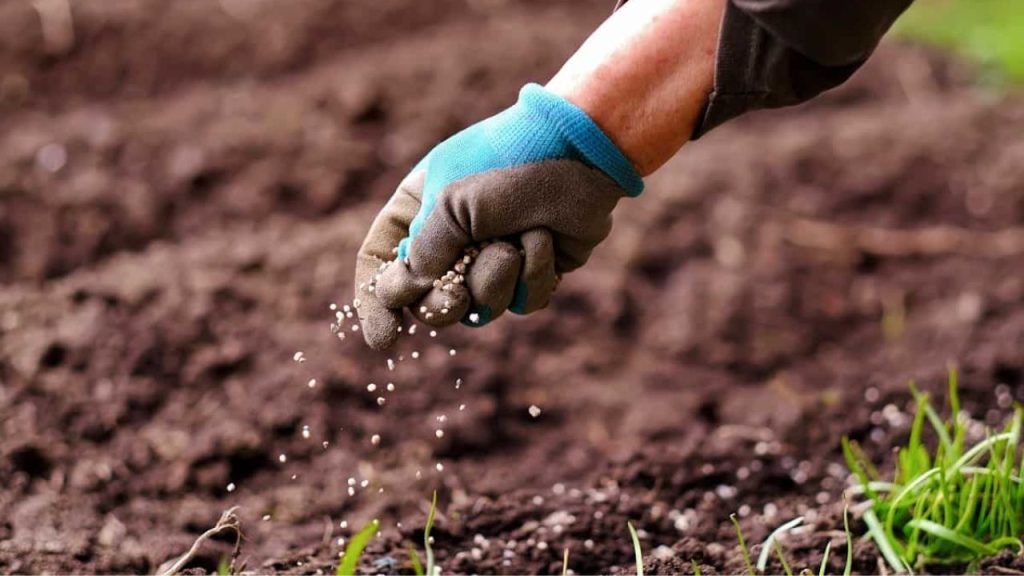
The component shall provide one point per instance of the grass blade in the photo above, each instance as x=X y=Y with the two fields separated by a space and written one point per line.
x=696 y=567
x=848 y=568
x=743 y=545
x=417 y=568
x=636 y=549
x=940 y=531
x=782 y=558
x=824 y=559
x=884 y=544
x=766 y=546
x=565 y=563
x=355 y=547
x=426 y=535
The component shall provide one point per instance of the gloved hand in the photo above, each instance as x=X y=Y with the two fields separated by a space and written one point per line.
x=491 y=218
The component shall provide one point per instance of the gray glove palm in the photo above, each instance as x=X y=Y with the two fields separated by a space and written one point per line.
x=491 y=218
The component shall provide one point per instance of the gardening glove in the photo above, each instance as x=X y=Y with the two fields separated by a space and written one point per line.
x=491 y=218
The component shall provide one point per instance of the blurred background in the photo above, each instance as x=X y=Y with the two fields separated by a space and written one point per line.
x=183 y=186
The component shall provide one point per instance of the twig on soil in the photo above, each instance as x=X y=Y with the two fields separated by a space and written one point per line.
x=228 y=521
x=928 y=241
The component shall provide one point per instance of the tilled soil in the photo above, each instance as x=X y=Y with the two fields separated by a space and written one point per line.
x=182 y=190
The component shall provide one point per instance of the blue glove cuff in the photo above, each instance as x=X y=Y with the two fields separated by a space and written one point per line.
x=588 y=139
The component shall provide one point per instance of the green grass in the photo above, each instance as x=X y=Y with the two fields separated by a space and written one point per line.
x=417 y=567
x=354 y=550
x=636 y=549
x=771 y=544
x=989 y=31
x=947 y=505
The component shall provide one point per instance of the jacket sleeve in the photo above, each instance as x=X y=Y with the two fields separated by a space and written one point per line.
x=774 y=53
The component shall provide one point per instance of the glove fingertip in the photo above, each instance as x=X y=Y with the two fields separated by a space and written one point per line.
x=380 y=329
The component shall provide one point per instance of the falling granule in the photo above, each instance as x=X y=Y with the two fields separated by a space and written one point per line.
x=419 y=474
x=462 y=407
x=474 y=318
x=311 y=383
x=364 y=483
x=442 y=418
x=440 y=467
x=351 y=481
x=351 y=491
x=231 y=487
x=355 y=327
x=325 y=444
x=299 y=357
x=415 y=355
x=534 y=410
x=458 y=383
x=439 y=433
x=375 y=439
x=451 y=352
x=391 y=364
x=341 y=541
x=371 y=387
x=390 y=387
x=282 y=458
x=343 y=524
x=294 y=476
x=412 y=329
x=381 y=400
x=433 y=333
x=266 y=517
x=333 y=306
x=305 y=432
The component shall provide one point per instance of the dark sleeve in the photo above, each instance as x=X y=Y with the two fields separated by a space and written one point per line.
x=774 y=53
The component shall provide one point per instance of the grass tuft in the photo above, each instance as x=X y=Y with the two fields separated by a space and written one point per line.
x=947 y=505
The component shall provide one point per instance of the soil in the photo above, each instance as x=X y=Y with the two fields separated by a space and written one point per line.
x=182 y=190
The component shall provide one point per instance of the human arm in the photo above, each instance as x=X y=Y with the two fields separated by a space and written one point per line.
x=538 y=182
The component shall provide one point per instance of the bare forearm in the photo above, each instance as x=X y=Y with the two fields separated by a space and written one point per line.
x=644 y=75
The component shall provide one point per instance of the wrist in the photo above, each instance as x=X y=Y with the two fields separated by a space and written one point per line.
x=586 y=136
x=645 y=75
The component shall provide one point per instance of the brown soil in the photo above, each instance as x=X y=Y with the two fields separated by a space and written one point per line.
x=181 y=195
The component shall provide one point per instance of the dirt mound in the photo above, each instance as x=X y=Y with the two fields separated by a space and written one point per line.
x=172 y=245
